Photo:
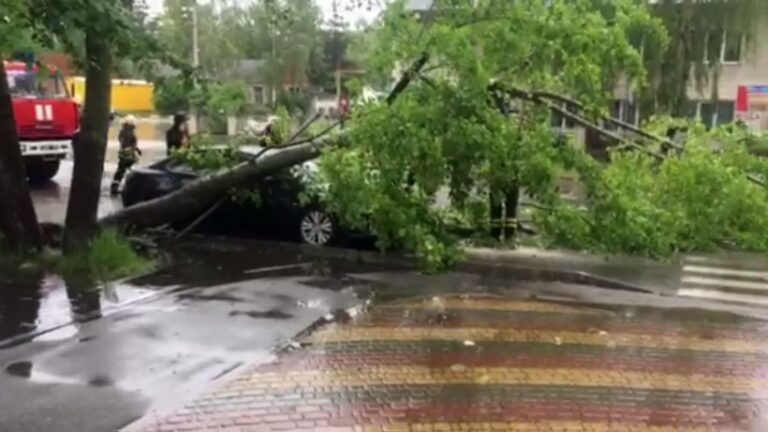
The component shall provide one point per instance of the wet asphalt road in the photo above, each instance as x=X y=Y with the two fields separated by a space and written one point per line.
x=50 y=199
x=217 y=310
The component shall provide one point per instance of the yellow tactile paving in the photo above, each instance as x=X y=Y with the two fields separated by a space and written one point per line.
x=491 y=304
x=349 y=334
x=549 y=426
x=393 y=375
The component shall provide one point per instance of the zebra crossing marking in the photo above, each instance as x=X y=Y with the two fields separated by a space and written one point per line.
x=726 y=280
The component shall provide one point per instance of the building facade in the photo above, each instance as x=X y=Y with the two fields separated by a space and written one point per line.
x=742 y=84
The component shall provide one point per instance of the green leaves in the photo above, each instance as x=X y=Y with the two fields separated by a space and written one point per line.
x=697 y=200
x=443 y=146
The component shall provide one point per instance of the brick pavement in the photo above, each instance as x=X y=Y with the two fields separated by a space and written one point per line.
x=485 y=363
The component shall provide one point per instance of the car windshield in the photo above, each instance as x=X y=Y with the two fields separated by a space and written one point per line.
x=30 y=83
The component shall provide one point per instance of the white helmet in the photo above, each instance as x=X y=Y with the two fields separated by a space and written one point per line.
x=129 y=120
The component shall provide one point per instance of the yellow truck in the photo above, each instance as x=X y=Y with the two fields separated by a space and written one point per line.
x=128 y=95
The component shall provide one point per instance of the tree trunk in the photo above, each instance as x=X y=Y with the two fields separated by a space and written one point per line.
x=199 y=195
x=90 y=146
x=19 y=230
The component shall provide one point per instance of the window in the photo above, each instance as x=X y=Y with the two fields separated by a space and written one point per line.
x=258 y=95
x=625 y=111
x=732 y=47
x=726 y=46
x=559 y=122
x=32 y=83
x=724 y=113
x=629 y=112
x=707 y=113
x=714 y=114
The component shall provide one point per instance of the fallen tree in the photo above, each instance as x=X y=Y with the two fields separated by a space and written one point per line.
x=204 y=192
x=199 y=195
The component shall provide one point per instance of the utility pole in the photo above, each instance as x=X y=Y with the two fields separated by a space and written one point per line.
x=195 y=44
x=194 y=118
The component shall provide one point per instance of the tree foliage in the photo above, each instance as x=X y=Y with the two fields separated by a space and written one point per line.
x=284 y=33
x=446 y=132
x=698 y=199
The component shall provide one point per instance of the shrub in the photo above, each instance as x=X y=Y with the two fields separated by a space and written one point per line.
x=172 y=95
x=297 y=104
x=224 y=100
x=110 y=256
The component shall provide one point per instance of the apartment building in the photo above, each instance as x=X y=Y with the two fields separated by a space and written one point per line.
x=742 y=84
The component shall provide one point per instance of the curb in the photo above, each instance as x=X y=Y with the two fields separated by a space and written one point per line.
x=503 y=268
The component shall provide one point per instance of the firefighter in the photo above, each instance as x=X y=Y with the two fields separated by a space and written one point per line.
x=129 y=151
x=178 y=135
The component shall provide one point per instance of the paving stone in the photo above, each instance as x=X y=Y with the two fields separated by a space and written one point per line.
x=485 y=363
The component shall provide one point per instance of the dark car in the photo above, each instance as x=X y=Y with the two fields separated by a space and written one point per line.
x=272 y=208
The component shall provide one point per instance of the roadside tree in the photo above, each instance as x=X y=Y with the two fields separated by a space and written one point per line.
x=19 y=231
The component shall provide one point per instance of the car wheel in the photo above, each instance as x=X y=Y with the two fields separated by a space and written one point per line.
x=317 y=227
x=40 y=171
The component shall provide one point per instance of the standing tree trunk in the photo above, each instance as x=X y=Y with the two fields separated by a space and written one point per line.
x=90 y=146
x=19 y=230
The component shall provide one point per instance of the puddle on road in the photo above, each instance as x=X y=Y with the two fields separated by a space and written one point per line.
x=33 y=301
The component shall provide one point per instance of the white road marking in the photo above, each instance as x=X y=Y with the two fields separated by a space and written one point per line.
x=722 y=271
x=724 y=283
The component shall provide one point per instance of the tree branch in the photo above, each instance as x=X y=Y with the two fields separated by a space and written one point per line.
x=621 y=124
x=408 y=76
x=581 y=121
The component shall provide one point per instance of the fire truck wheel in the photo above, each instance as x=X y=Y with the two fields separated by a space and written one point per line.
x=40 y=171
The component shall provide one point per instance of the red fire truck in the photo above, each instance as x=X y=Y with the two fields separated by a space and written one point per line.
x=46 y=118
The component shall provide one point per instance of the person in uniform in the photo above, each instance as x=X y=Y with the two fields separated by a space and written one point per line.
x=128 y=154
x=177 y=136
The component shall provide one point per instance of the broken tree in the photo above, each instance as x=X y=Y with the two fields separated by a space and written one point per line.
x=199 y=195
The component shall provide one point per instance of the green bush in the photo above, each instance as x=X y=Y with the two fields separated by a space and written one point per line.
x=698 y=199
x=224 y=100
x=297 y=104
x=110 y=256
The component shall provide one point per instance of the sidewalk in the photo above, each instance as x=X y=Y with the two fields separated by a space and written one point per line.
x=481 y=363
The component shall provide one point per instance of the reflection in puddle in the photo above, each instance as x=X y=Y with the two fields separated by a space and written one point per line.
x=25 y=369
x=22 y=369
x=34 y=300
x=270 y=314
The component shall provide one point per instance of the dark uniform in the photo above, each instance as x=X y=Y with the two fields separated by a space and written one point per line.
x=177 y=136
x=129 y=151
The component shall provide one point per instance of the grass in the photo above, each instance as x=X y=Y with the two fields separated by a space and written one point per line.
x=109 y=257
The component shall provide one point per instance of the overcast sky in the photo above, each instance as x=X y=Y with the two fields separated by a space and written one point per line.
x=351 y=17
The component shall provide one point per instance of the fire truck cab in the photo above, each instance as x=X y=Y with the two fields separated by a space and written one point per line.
x=46 y=118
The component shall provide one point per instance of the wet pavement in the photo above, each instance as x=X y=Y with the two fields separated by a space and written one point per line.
x=210 y=343
x=480 y=362
x=216 y=310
